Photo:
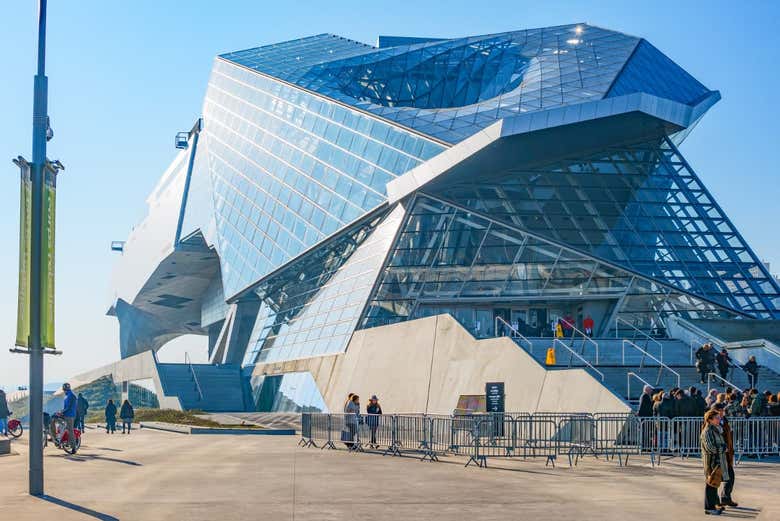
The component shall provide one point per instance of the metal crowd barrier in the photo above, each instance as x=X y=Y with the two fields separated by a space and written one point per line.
x=616 y=436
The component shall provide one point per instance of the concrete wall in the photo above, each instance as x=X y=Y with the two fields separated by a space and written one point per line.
x=424 y=365
x=138 y=367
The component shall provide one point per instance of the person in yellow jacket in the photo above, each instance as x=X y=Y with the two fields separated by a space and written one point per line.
x=558 y=330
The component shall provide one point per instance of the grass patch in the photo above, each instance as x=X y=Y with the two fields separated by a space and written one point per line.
x=172 y=416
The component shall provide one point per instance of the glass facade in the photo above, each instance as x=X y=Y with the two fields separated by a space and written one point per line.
x=313 y=308
x=452 y=88
x=290 y=392
x=300 y=140
x=453 y=260
x=650 y=71
x=640 y=207
x=289 y=169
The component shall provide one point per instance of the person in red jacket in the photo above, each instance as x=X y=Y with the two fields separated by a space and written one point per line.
x=588 y=324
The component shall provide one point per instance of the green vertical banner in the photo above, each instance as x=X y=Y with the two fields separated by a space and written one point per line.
x=25 y=255
x=47 y=257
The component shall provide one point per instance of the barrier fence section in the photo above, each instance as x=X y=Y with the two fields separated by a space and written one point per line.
x=615 y=436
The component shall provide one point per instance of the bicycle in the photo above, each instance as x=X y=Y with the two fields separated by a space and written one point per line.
x=61 y=439
x=15 y=428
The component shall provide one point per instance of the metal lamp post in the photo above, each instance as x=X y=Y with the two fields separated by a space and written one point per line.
x=36 y=274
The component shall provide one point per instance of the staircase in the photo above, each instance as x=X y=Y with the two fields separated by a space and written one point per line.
x=616 y=358
x=213 y=387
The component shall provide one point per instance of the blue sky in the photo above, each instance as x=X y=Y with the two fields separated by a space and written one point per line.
x=124 y=77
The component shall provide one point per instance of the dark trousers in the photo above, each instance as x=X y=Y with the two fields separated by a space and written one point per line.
x=126 y=423
x=110 y=425
x=704 y=371
x=728 y=486
x=710 y=497
x=753 y=379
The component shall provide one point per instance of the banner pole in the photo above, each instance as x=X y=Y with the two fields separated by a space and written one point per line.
x=40 y=127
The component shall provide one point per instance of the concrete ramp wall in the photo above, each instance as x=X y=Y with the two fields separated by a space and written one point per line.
x=424 y=365
x=138 y=367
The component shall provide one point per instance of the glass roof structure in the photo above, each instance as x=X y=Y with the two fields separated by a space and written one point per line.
x=452 y=88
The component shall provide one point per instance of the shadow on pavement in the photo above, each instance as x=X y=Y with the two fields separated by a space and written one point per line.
x=78 y=508
x=81 y=457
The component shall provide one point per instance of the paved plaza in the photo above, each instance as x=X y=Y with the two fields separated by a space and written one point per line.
x=153 y=475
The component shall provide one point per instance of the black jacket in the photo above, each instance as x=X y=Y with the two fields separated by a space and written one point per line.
x=111 y=411
x=82 y=405
x=664 y=408
x=705 y=357
x=645 y=406
x=751 y=367
x=126 y=412
x=701 y=405
x=723 y=361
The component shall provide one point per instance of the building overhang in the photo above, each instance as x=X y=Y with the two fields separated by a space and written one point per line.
x=555 y=133
x=169 y=303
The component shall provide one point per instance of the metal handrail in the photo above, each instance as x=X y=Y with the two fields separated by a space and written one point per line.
x=584 y=337
x=643 y=333
x=194 y=376
x=516 y=333
x=628 y=382
x=651 y=357
x=709 y=380
x=757 y=344
x=575 y=353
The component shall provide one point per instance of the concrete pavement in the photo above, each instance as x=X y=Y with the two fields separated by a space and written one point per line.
x=156 y=475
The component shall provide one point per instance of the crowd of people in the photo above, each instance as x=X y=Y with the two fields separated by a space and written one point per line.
x=708 y=359
x=747 y=403
x=717 y=444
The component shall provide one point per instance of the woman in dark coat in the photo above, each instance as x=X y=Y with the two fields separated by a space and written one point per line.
x=713 y=455
x=110 y=417
x=127 y=414
x=373 y=409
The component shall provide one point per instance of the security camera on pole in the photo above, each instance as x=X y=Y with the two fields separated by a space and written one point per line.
x=35 y=321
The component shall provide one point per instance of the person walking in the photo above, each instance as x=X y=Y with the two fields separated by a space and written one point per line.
x=110 y=417
x=374 y=410
x=713 y=455
x=728 y=437
x=646 y=403
x=4 y=414
x=724 y=362
x=705 y=360
x=126 y=413
x=751 y=368
x=82 y=406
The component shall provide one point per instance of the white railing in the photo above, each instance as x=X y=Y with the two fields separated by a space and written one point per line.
x=194 y=376
x=629 y=375
x=579 y=357
x=661 y=365
x=585 y=338
x=709 y=381
x=649 y=338
x=514 y=333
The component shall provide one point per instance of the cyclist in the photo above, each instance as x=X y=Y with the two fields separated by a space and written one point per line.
x=68 y=415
